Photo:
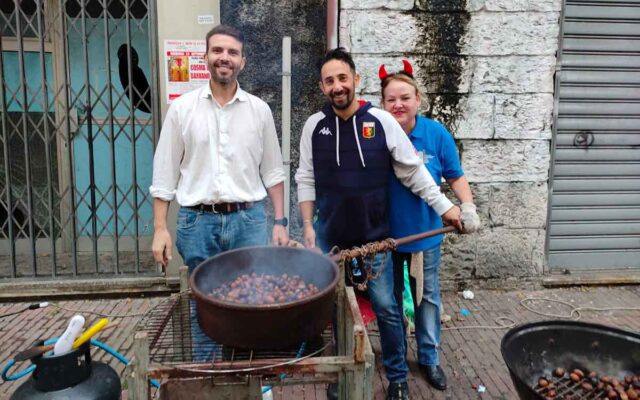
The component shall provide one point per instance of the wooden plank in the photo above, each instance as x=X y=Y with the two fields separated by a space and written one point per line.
x=140 y=390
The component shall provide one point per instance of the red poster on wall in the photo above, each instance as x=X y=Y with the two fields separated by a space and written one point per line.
x=184 y=66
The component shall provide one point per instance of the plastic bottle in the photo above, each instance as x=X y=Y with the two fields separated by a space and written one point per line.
x=356 y=272
x=64 y=344
x=267 y=394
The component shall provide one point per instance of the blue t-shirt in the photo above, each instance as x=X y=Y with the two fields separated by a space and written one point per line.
x=408 y=213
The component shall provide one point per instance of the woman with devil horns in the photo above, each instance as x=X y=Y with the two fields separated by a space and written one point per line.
x=409 y=214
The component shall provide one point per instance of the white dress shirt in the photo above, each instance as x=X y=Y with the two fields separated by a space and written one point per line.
x=209 y=153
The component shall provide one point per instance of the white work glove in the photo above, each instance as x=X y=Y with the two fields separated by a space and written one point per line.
x=469 y=218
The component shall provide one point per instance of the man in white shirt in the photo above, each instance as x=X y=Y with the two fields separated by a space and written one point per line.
x=218 y=156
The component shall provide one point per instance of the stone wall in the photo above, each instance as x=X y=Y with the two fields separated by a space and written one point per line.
x=264 y=24
x=487 y=68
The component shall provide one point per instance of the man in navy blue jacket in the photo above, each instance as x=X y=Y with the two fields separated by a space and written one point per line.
x=347 y=153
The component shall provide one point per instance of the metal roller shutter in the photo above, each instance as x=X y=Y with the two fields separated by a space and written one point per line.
x=594 y=220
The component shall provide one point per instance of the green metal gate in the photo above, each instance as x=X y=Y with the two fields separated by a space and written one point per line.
x=78 y=125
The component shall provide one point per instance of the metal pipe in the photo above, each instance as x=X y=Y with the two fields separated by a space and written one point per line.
x=152 y=15
x=134 y=177
x=286 y=120
x=47 y=139
x=112 y=143
x=424 y=235
x=88 y=118
x=25 y=138
x=67 y=118
x=333 y=10
x=385 y=244
x=554 y=135
x=7 y=165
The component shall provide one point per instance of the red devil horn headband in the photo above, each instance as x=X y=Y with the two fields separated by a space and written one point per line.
x=407 y=70
x=382 y=73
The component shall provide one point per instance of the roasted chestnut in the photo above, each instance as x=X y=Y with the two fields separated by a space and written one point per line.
x=264 y=289
x=587 y=387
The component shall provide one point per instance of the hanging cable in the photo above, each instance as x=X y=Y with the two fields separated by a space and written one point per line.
x=34 y=306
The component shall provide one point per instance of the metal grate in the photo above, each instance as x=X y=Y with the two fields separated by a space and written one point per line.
x=173 y=340
x=77 y=133
x=566 y=389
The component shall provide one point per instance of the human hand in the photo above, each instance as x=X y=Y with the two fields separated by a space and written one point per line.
x=162 y=246
x=309 y=236
x=452 y=217
x=280 y=236
x=469 y=218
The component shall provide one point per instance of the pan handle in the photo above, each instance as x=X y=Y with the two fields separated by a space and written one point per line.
x=424 y=235
x=407 y=239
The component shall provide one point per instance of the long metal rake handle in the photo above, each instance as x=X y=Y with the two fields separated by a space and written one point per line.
x=386 y=244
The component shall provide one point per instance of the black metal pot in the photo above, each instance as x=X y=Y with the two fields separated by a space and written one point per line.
x=270 y=326
x=534 y=350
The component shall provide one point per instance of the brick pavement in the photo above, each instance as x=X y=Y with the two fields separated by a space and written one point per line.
x=469 y=356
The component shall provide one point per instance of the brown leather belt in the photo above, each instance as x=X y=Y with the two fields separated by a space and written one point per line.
x=224 y=208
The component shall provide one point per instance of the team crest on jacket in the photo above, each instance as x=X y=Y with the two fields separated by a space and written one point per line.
x=368 y=130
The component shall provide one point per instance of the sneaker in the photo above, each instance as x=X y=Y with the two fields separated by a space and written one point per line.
x=398 y=391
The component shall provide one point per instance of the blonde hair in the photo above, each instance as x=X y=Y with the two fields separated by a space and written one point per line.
x=402 y=77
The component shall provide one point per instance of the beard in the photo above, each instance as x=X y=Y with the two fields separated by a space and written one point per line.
x=224 y=79
x=341 y=104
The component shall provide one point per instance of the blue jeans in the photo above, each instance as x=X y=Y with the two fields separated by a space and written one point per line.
x=390 y=319
x=203 y=234
x=428 y=313
x=388 y=313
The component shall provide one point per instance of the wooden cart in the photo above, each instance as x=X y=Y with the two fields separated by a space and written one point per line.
x=350 y=364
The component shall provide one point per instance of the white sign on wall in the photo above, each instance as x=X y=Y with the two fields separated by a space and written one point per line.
x=206 y=20
x=185 y=67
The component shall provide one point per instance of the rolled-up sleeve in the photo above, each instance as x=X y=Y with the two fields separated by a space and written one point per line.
x=271 y=166
x=304 y=175
x=167 y=158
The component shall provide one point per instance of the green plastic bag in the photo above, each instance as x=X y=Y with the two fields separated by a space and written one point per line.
x=409 y=312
